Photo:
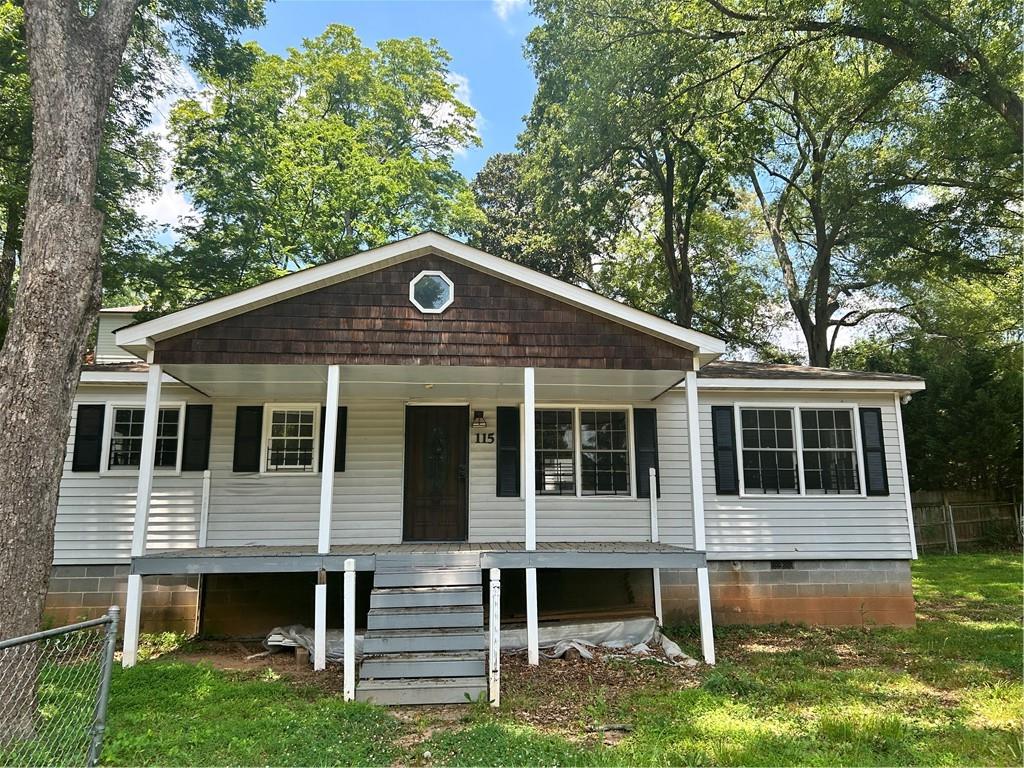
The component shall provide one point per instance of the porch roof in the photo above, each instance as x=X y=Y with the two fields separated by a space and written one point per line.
x=506 y=554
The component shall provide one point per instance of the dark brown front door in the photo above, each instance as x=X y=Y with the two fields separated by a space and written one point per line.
x=436 y=469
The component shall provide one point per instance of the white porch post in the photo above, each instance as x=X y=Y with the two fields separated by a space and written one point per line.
x=349 y=630
x=530 y=503
x=327 y=463
x=320 y=622
x=707 y=638
x=147 y=458
x=658 y=613
x=494 y=643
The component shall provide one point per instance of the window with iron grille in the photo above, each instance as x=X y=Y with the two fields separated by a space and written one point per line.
x=125 y=450
x=769 y=451
x=555 y=460
x=604 y=453
x=829 y=451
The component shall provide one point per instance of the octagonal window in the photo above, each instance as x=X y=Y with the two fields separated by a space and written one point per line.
x=431 y=292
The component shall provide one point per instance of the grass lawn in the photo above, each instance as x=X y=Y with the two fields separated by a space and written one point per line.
x=946 y=693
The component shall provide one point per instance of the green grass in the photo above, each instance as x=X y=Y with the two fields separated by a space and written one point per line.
x=946 y=693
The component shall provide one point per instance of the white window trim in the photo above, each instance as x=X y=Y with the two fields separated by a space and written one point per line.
x=431 y=273
x=268 y=413
x=528 y=463
x=798 y=440
x=108 y=428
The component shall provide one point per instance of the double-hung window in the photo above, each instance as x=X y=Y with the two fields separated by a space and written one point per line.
x=829 y=451
x=556 y=452
x=291 y=438
x=124 y=448
x=582 y=452
x=799 y=451
x=769 y=450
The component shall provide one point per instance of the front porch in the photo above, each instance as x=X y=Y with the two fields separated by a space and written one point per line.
x=425 y=638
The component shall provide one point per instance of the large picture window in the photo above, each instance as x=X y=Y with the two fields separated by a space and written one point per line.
x=799 y=451
x=291 y=439
x=125 y=444
x=583 y=452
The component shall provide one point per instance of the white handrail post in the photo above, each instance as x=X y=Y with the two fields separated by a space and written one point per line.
x=204 y=510
x=654 y=540
x=349 y=629
x=494 y=619
x=530 y=504
x=147 y=459
x=320 y=622
x=327 y=460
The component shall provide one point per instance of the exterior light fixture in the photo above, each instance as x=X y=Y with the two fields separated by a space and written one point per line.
x=478 y=420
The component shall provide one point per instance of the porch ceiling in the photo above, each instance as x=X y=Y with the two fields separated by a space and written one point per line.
x=422 y=383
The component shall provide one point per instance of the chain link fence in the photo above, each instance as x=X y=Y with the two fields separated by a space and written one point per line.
x=54 y=687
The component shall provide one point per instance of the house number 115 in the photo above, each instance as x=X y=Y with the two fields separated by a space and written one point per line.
x=483 y=437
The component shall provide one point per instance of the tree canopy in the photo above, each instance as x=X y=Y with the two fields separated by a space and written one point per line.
x=298 y=160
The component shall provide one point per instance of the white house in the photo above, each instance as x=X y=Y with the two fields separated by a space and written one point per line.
x=482 y=421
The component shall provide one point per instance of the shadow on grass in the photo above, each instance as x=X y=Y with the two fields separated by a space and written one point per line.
x=171 y=713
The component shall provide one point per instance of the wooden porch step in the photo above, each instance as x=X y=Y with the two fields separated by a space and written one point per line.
x=414 y=597
x=424 y=640
x=425 y=617
x=405 y=561
x=423 y=665
x=426 y=577
x=412 y=691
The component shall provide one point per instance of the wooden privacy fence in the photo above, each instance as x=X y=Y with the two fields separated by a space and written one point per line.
x=951 y=521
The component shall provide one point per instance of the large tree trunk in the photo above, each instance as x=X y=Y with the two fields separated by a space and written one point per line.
x=73 y=61
x=8 y=262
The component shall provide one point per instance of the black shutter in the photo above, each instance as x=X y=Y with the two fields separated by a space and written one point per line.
x=645 y=437
x=723 y=435
x=248 y=438
x=88 y=438
x=508 y=451
x=339 y=446
x=195 y=456
x=875 y=476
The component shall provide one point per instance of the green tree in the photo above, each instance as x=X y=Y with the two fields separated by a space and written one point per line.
x=305 y=159
x=513 y=227
x=965 y=431
x=628 y=136
x=128 y=163
x=75 y=55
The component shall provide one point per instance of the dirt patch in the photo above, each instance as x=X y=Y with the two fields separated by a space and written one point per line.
x=569 y=696
x=233 y=656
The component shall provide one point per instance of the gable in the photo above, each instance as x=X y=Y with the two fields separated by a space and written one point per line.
x=369 y=320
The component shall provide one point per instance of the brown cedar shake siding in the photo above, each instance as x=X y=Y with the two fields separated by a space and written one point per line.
x=369 y=320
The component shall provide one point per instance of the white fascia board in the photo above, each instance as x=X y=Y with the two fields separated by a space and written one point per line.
x=850 y=385
x=121 y=377
x=138 y=339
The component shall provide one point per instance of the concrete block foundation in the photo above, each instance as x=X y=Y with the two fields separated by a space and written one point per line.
x=823 y=592
x=80 y=592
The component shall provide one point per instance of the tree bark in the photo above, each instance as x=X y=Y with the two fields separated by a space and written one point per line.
x=73 y=62
x=8 y=262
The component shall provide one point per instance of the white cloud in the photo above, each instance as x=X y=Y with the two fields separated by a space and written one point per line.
x=169 y=206
x=505 y=8
x=443 y=114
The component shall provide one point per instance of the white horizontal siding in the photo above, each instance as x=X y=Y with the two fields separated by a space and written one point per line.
x=784 y=527
x=585 y=519
x=106 y=350
x=95 y=512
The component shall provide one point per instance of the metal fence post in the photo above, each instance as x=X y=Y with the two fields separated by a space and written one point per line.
x=100 y=718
